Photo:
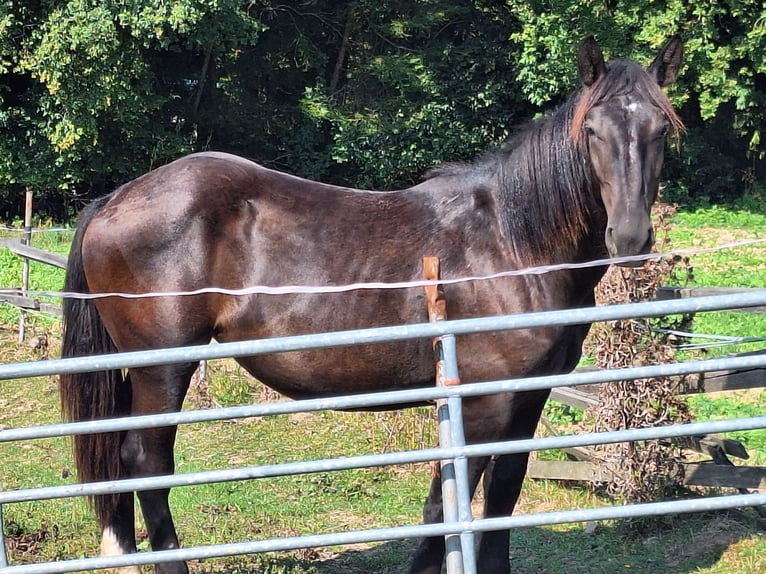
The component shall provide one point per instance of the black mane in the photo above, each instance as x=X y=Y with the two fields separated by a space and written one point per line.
x=543 y=183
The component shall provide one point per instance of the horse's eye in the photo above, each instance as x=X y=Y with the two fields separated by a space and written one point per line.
x=664 y=130
x=588 y=130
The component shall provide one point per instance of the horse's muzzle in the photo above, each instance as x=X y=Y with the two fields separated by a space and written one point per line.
x=626 y=243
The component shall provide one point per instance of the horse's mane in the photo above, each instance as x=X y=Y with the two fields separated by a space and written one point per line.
x=543 y=179
x=542 y=170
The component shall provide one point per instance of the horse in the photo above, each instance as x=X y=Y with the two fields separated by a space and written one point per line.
x=576 y=185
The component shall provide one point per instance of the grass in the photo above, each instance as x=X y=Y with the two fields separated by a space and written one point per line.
x=41 y=277
x=60 y=529
x=743 y=266
x=735 y=267
x=212 y=514
x=325 y=502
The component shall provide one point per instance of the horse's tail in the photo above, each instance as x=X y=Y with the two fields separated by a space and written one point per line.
x=90 y=396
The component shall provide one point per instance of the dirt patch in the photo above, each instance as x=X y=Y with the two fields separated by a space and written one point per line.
x=386 y=558
x=711 y=540
x=26 y=546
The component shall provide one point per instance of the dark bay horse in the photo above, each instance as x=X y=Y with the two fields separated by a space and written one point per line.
x=572 y=187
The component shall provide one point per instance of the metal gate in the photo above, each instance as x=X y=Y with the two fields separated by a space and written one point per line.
x=459 y=526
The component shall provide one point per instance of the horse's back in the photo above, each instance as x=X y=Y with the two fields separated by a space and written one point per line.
x=217 y=212
x=215 y=220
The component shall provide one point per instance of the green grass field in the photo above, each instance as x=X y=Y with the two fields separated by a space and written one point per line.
x=729 y=542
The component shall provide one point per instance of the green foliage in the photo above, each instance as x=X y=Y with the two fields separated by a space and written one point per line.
x=560 y=414
x=93 y=91
x=364 y=93
x=426 y=82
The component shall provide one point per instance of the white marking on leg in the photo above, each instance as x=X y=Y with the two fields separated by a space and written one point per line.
x=110 y=546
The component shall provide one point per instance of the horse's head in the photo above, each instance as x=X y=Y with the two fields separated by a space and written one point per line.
x=622 y=118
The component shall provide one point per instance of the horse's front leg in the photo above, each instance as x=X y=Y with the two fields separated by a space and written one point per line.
x=430 y=553
x=502 y=486
x=503 y=479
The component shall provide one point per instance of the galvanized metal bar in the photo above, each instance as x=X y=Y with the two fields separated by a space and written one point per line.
x=436 y=306
x=362 y=461
x=383 y=398
x=460 y=462
x=474 y=450
x=3 y=553
x=452 y=542
x=381 y=334
x=396 y=533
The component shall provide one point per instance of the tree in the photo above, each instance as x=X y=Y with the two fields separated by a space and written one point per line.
x=424 y=82
x=91 y=87
x=368 y=93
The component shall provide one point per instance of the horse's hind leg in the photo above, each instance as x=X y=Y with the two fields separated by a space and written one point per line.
x=116 y=513
x=149 y=452
x=118 y=532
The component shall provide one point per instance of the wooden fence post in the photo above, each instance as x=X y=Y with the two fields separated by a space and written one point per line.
x=27 y=240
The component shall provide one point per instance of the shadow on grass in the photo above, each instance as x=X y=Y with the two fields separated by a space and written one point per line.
x=679 y=545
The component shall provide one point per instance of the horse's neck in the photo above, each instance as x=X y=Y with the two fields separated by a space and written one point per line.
x=546 y=195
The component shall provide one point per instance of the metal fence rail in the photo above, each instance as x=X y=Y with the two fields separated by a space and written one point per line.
x=381 y=335
x=458 y=522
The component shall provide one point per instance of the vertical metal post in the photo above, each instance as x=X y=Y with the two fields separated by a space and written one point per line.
x=25 y=262
x=456 y=494
x=3 y=555
x=457 y=439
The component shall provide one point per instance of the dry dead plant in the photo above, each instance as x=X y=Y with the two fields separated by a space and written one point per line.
x=647 y=470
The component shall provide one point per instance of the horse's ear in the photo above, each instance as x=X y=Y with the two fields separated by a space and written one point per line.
x=667 y=64
x=590 y=61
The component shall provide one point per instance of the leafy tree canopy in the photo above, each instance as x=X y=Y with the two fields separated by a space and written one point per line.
x=361 y=92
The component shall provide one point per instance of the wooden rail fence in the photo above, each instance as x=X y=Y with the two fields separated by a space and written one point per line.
x=16 y=295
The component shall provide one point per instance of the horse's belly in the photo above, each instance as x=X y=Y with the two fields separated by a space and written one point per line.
x=346 y=370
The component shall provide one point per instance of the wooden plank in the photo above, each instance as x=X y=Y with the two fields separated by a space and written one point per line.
x=35 y=254
x=736 y=380
x=710 y=382
x=716 y=381
x=583 y=471
x=695 y=474
x=718 y=475
x=575 y=452
x=574 y=397
x=712 y=445
x=666 y=293
x=51 y=309
x=20 y=301
x=30 y=304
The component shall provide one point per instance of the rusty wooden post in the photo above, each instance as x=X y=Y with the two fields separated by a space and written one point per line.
x=456 y=495
x=25 y=261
